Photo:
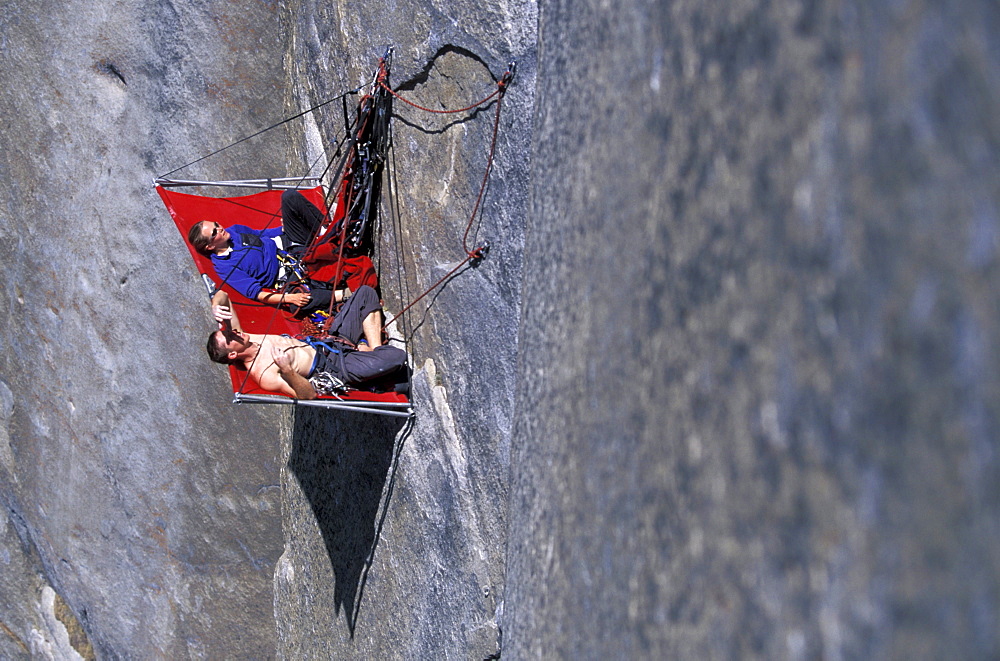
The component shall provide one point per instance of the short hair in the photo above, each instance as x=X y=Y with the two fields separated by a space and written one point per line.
x=217 y=350
x=198 y=240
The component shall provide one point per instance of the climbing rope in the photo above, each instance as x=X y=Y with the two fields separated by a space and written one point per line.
x=499 y=90
x=360 y=157
x=478 y=253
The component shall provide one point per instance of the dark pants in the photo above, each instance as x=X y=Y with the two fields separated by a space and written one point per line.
x=300 y=221
x=319 y=300
x=356 y=367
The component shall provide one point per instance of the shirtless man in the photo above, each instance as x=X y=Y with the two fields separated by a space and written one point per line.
x=284 y=364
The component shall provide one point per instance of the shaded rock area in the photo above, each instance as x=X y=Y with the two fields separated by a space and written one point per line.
x=389 y=552
x=765 y=236
x=725 y=386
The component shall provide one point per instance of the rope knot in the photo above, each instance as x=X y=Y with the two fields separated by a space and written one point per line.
x=507 y=76
x=477 y=256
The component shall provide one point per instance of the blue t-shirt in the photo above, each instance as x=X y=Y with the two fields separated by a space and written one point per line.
x=252 y=264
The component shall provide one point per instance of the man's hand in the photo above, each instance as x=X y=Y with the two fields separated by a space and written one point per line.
x=223 y=314
x=281 y=359
x=298 y=300
x=292 y=382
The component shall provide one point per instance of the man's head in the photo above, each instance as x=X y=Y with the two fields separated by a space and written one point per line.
x=207 y=237
x=225 y=346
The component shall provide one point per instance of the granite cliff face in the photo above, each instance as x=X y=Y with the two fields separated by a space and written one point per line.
x=127 y=487
x=782 y=392
x=132 y=488
x=725 y=386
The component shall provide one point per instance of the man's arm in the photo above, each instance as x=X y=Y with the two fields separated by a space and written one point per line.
x=299 y=299
x=238 y=280
x=268 y=297
x=284 y=378
x=222 y=310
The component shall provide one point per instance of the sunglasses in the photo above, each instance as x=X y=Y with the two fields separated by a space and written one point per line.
x=215 y=231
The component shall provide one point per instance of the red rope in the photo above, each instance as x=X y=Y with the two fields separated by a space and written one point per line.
x=477 y=253
x=429 y=290
x=486 y=176
x=444 y=112
x=348 y=202
x=343 y=233
x=348 y=198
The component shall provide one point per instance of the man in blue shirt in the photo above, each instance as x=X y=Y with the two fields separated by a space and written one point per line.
x=247 y=259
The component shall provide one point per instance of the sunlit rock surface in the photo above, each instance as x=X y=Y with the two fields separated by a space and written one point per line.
x=128 y=482
x=725 y=386
x=396 y=534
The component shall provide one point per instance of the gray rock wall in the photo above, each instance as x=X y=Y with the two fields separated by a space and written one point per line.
x=757 y=384
x=724 y=387
x=135 y=491
x=133 y=488
x=395 y=537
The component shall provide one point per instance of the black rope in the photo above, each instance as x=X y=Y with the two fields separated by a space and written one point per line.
x=273 y=126
x=344 y=150
x=274 y=216
x=349 y=143
x=346 y=121
x=266 y=227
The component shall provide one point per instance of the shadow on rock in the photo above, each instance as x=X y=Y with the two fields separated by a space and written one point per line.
x=346 y=466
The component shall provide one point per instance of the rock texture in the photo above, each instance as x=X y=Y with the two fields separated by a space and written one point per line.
x=133 y=488
x=395 y=536
x=765 y=237
x=129 y=485
x=724 y=387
